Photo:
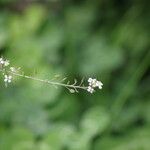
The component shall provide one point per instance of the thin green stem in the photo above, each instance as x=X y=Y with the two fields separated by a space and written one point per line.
x=48 y=81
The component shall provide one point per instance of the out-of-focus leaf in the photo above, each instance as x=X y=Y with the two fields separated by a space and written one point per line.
x=58 y=136
x=95 y=121
x=18 y=138
x=3 y=30
x=135 y=140
x=99 y=56
x=79 y=141
x=67 y=108
x=79 y=19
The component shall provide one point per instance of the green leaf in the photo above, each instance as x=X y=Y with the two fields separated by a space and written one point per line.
x=100 y=56
x=95 y=121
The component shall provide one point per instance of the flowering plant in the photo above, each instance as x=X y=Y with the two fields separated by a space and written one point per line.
x=9 y=72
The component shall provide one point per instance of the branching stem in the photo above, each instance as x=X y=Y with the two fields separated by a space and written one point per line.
x=68 y=86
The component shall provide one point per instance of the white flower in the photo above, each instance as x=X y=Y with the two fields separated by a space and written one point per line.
x=99 y=84
x=2 y=61
x=93 y=83
x=90 y=80
x=90 y=89
x=6 y=63
x=12 y=69
x=7 y=78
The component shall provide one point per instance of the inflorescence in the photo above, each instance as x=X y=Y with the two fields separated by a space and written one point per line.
x=9 y=72
x=93 y=83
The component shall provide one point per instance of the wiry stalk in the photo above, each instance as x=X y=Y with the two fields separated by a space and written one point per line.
x=68 y=86
x=49 y=81
x=9 y=72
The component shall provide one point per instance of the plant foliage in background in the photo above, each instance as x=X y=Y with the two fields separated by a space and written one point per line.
x=108 y=40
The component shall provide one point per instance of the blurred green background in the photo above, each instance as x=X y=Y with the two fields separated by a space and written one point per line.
x=106 y=39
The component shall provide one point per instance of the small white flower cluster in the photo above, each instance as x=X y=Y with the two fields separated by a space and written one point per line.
x=3 y=65
x=7 y=79
x=93 y=83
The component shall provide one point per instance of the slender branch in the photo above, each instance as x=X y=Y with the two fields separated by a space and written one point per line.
x=48 y=81
x=8 y=72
